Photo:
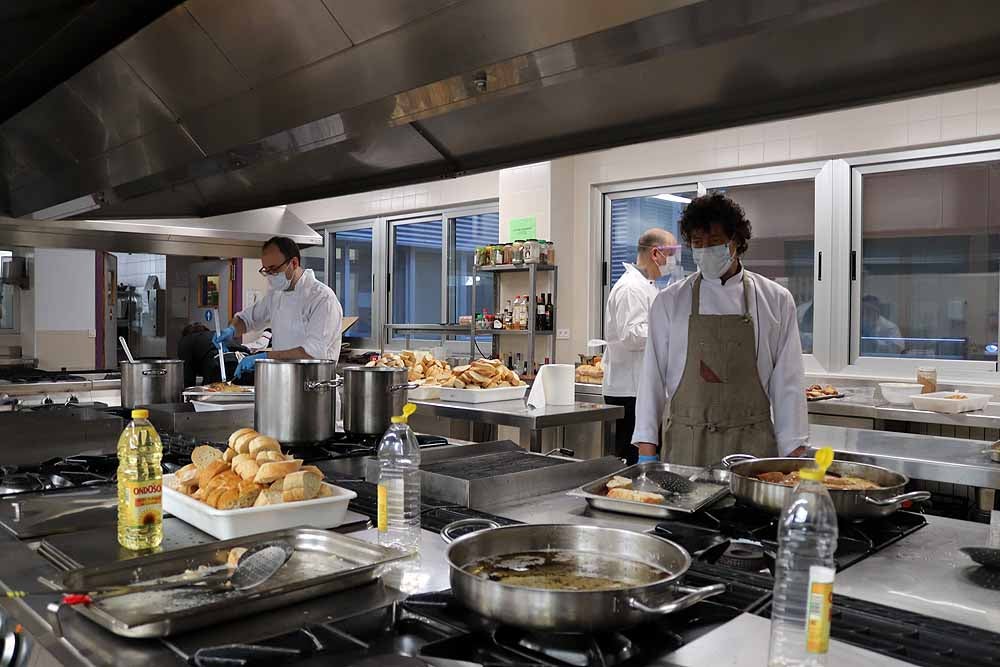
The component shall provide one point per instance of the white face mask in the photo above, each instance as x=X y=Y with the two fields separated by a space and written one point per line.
x=713 y=261
x=279 y=282
x=668 y=267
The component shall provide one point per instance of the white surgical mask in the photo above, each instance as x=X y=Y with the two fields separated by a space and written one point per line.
x=667 y=267
x=278 y=282
x=713 y=261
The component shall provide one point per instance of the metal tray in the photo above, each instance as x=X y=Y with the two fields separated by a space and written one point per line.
x=203 y=394
x=825 y=397
x=706 y=491
x=323 y=562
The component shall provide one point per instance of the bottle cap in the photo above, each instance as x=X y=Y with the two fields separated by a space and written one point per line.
x=140 y=414
x=408 y=410
x=824 y=457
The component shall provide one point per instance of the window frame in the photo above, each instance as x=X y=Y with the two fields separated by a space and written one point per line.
x=820 y=172
x=15 y=329
x=889 y=163
x=378 y=281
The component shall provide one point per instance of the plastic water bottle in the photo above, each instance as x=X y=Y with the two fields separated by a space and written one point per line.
x=140 y=484
x=803 y=578
x=399 y=485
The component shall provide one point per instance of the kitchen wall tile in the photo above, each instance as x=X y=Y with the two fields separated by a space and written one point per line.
x=924 y=131
x=751 y=134
x=775 y=131
x=727 y=157
x=776 y=150
x=958 y=127
x=959 y=102
x=727 y=138
x=989 y=123
x=751 y=154
x=802 y=147
x=989 y=97
x=924 y=108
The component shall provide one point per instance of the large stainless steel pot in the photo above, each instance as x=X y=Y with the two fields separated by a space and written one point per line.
x=295 y=401
x=562 y=610
x=372 y=395
x=864 y=504
x=150 y=381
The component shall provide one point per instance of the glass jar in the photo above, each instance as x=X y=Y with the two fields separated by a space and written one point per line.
x=543 y=251
x=517 y=253
x=487 y=256
x=498 y=255
x=927 y=377
x=477 y=257
x=531 y=251
x=551 y=251
x=508 y=253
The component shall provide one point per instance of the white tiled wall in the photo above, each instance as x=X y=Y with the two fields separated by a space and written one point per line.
x=526 y=192
x=134 y=268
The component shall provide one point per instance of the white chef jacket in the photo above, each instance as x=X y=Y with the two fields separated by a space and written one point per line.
x=779 y=352
x=309 y=316
x=625 y=326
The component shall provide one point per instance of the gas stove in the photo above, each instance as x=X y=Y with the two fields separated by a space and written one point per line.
x=343 y=445
x=18 y=375
x=746 y=539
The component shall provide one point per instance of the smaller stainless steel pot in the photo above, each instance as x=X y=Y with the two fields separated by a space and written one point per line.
x=562 y=610
x=372 y=396
x=295 y=401
x=850 y=504
x=151 y=381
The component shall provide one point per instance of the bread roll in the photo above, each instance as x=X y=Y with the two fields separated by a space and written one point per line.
x=224 y=498
x=187 y=475
x=248 y=494
x=205 y=454
x=247 y=469
x=300 y=485
x=313 y=470
x=262 y=500
x=237 y=434
x=636 y=496
x=211 y=470
x=242 y=443
x=269 y=455
x=619 y=482
x=277 y=484
x=240 y=458
x=225 y=478
x=263 y=443
x=275 y=470
x=229 y=454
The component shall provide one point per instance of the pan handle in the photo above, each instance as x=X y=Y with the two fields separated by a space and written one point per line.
x=400 y=387
x=913 y=497
x=446 y=532
x=731 y=459
x=691 y=596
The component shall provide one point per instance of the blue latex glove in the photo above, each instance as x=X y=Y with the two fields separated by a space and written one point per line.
x=246 y=363
x=224 y=337
x=652 y=458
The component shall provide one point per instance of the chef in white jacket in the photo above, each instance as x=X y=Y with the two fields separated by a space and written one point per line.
x=625 y=324
x=724 y=349
x=304 y=314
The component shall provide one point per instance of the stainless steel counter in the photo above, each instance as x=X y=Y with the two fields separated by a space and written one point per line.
x=927 y=574
x=933 y=458
x=531 y=421
x=868 y=409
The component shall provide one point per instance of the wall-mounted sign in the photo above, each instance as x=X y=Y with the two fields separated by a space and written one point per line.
x=522 y=229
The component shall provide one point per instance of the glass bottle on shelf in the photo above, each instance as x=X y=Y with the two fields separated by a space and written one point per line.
x=549 y=312
x=517 y=253
x=543 y=251
x=498 y=255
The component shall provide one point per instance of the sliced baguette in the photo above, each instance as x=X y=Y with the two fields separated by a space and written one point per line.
x=229 y=454
x=313 y=470
x=277 y=484
x=300 y=485
x=247 y=469
x=224 y=498
x=205 y=454
x=636 y=496
x=619 y=482
x=248 y=494
x=269 y=455
x=238 y=434
x=188 y=474
x=263 y=443
x=242 y=443
x=210 y=470
x=325 y=491
x=269 y=472
x=240 y=458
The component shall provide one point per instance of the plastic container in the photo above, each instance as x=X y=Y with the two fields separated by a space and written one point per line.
x=899 y=393
x=940 y=401
x=517 y=257
x=927 y=378
x=399 y=484
x=804 y=572
x=328 y=512
x=209 y=406
x=531 y=251
x=482 y=395
x=140 y=484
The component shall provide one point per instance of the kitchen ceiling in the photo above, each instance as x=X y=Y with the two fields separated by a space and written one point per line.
x=218 y=106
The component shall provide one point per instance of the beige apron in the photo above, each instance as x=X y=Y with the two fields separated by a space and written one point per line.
x=720 y=407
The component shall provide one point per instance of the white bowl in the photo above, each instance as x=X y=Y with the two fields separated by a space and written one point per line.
x=899 y=393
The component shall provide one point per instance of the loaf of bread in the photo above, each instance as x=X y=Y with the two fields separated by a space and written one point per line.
x=274 y=470
x=636 y=496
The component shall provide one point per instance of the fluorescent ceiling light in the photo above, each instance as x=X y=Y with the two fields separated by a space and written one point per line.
x=676 y=198
x=67 y=208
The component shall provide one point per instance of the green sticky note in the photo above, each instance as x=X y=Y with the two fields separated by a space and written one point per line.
x=522 y=229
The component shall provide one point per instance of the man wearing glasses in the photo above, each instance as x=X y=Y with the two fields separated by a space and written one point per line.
x=626 y=328
x=304 y=314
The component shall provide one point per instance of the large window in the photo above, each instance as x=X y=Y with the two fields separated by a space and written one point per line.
x=8 y=295
x=629 y=215
x=351 y=265
x=417 y=253
x=314 y=257
x=469 y=232
x=927 y=285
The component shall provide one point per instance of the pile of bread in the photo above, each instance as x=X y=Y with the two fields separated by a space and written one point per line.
x=420 y=367
x=424 y=369
x=620 y=488
x=592 y=373
x=251 y=473
x=816 y=391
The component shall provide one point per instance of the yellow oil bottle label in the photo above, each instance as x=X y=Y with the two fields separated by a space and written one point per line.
x=383 y=508
x=819 y=606
x=143 y=503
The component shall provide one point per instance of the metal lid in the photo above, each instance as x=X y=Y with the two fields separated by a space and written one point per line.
x=296 y=361
x=139 y=362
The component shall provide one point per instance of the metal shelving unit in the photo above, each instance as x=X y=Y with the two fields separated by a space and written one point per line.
x=532 y=270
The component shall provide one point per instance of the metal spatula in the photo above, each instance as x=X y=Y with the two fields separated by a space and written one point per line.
x=986 y=556
x=662 y=481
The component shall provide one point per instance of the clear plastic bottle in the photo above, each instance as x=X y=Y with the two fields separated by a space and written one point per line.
x=804 y=571
x=140 y=484
x=399 y=484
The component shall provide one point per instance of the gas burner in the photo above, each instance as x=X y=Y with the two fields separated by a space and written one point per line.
x=579 y=650
x=20 y=482
x=745 y=557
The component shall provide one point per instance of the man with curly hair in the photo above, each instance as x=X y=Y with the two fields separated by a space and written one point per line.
x=724 y=349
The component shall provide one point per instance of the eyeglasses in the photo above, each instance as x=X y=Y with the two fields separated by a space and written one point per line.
x=668 y=249
x=274 y=270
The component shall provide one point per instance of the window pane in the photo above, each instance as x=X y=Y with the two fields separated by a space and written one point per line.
x=312 y=258
x=8 y=294
x=782 y=246
x=468 y=233
x=416 y=272
x=351 y=262
x=632 y=216
x=927 y=255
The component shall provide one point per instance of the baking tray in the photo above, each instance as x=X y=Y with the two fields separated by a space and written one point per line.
x=825 y=397
x=203 y=394
x=324 y=562
x=705 y=493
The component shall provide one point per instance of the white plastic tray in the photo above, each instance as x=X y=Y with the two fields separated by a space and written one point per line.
x=424 y=393
x=937 y=402
x=483 y=395
x=326 y=512
x=209 y=406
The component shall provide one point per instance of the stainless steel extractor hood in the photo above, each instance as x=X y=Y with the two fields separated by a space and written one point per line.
x=231 y=235
x=222 y=106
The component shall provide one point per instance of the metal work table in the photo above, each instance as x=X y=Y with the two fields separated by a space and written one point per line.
x=927 y=457
x=989 y=417
x=530 y=421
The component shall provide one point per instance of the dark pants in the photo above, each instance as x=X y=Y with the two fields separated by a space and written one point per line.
x=624 y=448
